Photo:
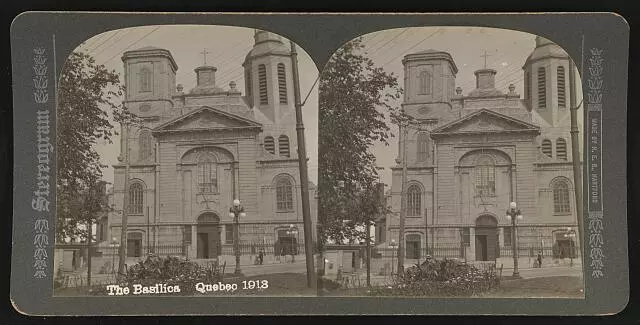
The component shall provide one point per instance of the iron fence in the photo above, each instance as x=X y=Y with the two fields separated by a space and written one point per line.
x=139 y=251
x=274 y=249
x=554 y=251
x=438 y=250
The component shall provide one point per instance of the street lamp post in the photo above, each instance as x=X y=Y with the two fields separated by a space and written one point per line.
x=294 y=249
x=512 y=214
x=571 y=234
x=114 y=244
x=236 y=211
x=393 y=246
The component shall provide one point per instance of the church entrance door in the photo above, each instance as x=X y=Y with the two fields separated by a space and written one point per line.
x=208 y=236
x=486 y=238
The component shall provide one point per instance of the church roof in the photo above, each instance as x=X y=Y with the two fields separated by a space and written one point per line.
x=206 y=90
x=148 y=48
x=454 y=127
x=150 y=51
x=431 y=54
x=428 y=51
x=242 y=121
x=546 y=49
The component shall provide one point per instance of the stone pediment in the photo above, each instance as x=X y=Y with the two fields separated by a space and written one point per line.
x=485 y=121
x=207 y=118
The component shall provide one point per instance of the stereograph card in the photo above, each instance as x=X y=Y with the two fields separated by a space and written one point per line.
x=223 y=164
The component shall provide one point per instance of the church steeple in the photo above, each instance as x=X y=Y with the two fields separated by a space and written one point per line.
x=546 y=79
x=268 y=79
x=269 y=90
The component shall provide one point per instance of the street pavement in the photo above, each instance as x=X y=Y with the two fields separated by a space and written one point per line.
x=528 y=273
x=299 y=266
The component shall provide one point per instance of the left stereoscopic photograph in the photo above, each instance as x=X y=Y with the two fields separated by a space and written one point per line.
x=180 y=170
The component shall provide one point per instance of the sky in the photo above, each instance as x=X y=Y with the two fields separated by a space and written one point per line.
x=506 y=52
x=226 y=49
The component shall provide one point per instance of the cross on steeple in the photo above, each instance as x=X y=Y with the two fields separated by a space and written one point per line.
x=485 y=55
x=204 y=55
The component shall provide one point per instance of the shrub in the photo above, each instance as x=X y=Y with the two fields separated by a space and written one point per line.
x=168 y=270
x=440 y=278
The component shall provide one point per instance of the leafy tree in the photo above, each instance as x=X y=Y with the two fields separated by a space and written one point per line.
x=355 y=98
x=88 y=106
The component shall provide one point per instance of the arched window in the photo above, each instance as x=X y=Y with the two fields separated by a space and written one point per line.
x=546 y=148
x=269 y=144
x=283 y=146
x=561 y=197
x=423 y=146
x=135 y=198
x=282 y=83
x=207 y=174
x=145 y=80
x=262 y=84
x=561 y=149
x=542 y=87
x=424 y=83
x=562 y=97
x=146 y=144
x=485 y=176
x=284 y=194
x=414 y=201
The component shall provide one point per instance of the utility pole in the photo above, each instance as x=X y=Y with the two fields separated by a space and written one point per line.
x=575 y=152
x=304 y=177
x=125 y=203
x=426 y=233
x=89 y=235
x=403 y=197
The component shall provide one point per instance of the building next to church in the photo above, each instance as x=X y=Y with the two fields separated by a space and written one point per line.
x=197 y=150
x=469 y=156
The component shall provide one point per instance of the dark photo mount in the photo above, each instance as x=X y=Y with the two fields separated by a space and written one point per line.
x=614 y=51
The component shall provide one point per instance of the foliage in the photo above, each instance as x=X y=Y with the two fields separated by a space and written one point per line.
x=88 y=104
x=170 y=271
x=445 y=277
x=355 y=99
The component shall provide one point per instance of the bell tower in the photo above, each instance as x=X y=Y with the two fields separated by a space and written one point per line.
x=546 y=81
x=269 y=88
x=149 y=79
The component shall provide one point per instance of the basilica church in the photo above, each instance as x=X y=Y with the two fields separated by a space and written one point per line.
x=470 y=155
x=199 y=149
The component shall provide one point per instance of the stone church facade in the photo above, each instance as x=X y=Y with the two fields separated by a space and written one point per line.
x=198 y=150
x=469 y=156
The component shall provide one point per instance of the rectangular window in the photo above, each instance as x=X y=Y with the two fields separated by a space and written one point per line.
x=466 y=236
x=187 y=234
x=413 y=246
x=507 y=234
x=228 y=234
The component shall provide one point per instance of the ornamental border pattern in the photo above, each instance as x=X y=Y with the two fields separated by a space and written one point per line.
x=40 y=202
x=594 y=104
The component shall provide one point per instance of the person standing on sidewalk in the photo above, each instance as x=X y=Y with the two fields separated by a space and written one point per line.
x=261 y=256
x=539 y=259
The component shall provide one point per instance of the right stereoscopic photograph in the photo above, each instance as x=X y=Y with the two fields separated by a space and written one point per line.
x=450 y=166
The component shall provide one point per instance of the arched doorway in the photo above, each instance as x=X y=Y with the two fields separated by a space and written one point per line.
x=208 y=236
x=486 y=238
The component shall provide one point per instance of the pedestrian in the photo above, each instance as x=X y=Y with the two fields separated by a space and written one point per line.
x=282 y=255
x=539 y=259
x=261 y=256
